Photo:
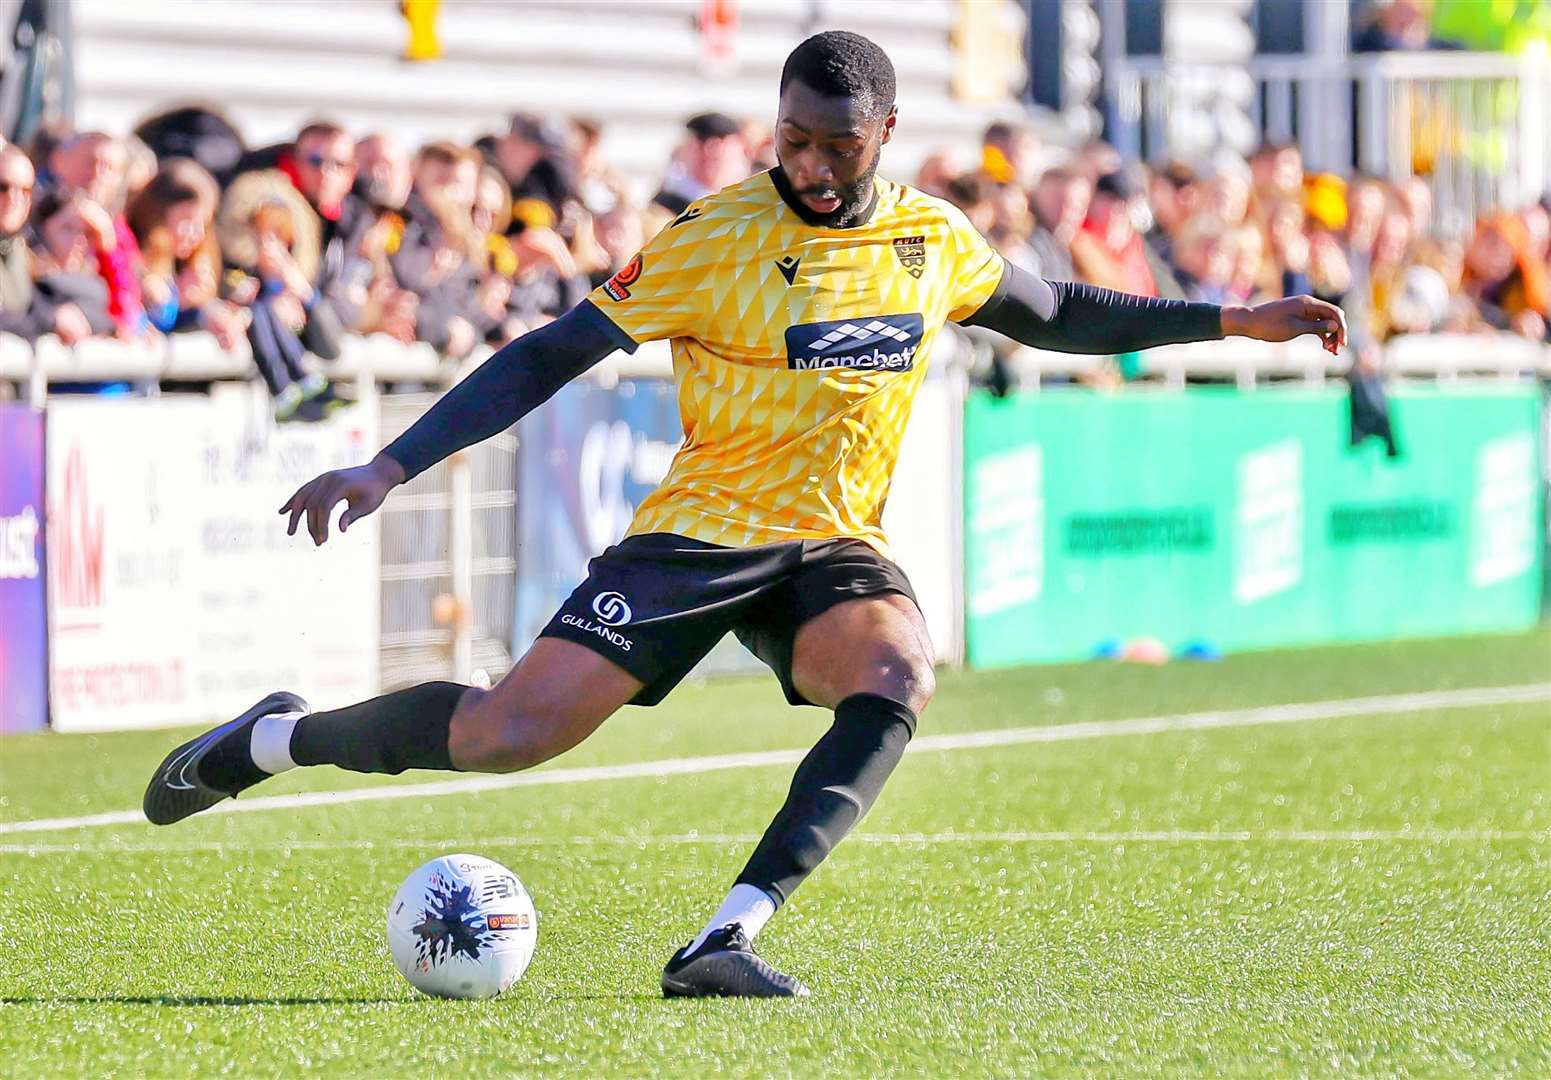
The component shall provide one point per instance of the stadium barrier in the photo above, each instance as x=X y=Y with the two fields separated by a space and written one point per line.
x=174 y=592
x=174 y=595
x=1249 y=522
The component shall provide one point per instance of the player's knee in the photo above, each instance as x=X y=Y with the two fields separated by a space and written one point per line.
x=903 y=676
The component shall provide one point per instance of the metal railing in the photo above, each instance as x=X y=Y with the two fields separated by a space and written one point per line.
x=1477 y=124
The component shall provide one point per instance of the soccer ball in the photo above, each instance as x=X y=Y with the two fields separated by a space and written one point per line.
x=462 y=926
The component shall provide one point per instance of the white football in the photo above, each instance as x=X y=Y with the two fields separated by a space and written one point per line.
x=462 y=926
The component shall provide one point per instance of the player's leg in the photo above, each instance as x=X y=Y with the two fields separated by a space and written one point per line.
x=870 y=660
x=554 y=698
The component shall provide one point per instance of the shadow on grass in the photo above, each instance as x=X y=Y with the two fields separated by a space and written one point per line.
x=201 y=1002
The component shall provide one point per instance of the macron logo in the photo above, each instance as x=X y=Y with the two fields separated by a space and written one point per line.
x=886 y=343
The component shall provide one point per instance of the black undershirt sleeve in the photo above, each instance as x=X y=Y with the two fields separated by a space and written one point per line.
x=522 y=375
x=1066 y=316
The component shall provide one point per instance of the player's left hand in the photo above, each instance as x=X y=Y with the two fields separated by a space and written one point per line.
x=1283 y=320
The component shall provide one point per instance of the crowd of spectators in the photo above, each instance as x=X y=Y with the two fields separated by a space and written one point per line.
x=183 y=227
x=1246 y=231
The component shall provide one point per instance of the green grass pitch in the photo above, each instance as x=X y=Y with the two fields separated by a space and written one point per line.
x=1357 y=895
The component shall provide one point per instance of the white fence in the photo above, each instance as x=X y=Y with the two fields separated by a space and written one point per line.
x=1477 y=124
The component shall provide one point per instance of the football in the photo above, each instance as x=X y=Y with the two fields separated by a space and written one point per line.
x=462 y=926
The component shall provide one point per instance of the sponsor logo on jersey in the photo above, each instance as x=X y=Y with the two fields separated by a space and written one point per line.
x=911 y=251
x=613 y=637
x=788 y=264
x=884 y=343
x=618 y=286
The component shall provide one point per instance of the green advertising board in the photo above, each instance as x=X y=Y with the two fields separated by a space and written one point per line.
x=1245 y=519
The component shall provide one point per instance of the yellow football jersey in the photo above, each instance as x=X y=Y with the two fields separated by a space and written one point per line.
x=797 y=351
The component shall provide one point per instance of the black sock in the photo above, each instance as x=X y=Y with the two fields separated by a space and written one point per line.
x=407 y=729
x=834 y=786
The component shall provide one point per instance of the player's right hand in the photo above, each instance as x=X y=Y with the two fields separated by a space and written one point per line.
x=362 y=489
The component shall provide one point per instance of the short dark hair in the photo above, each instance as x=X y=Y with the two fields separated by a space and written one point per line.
x=838 y=63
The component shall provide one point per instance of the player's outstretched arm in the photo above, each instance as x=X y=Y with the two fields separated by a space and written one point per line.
x=521 y=376
x=1071 y=317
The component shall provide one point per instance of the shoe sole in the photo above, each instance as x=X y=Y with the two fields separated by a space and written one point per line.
x=175 y=791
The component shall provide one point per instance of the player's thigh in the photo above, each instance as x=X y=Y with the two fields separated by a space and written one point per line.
x=556 y=696
x=870 y=645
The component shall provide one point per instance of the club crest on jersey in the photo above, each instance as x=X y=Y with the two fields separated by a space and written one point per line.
x=618 y=286
x=911 y=251
x=882 y=343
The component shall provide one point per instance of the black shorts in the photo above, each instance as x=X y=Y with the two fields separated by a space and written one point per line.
x=656 y=603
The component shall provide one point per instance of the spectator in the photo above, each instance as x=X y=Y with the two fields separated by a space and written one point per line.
x=1387 y=271
x=532 y=155
x=1289 y=243
x=1366 y=203
x=759 y=141
x=1107 y=250
x=93 y=164
x=1504 y=279
x=620 y=233
x=441 y=260
x=975 y=194
x=1097 y=158
x=173 y=220
x=713 y=156
x=1330 y=271
x=1061 y=199
x=1206 y=260
x=598 y=183
x=1227 y=194
x=1393 y=26
x=383 y=177
x=938 y=170
x=1174 y=194
x=140 y=167
x=321 y=164
x=1276 y=171
x=64 y=265
x=23 y=309
x=1009 y=154
x=270 y=236
x=1247 y=247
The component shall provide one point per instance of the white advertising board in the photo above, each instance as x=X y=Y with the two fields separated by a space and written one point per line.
x=922 y=516
x=176 y=596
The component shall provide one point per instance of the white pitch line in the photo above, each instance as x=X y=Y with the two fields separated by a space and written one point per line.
x=1426 y=701
x=1166 y=836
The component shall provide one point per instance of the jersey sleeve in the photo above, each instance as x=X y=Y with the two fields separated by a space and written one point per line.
x=657 y=293
x=977 y=267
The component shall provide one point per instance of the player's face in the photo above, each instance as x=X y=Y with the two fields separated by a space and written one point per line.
x=829 y=151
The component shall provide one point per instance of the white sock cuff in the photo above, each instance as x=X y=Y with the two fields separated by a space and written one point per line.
x=747 y=905
x=271 y=742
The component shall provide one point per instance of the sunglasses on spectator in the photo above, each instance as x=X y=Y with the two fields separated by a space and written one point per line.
x=6 y=187
x=319 y=161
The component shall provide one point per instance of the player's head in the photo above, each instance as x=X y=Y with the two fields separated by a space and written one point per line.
x=837 y=111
